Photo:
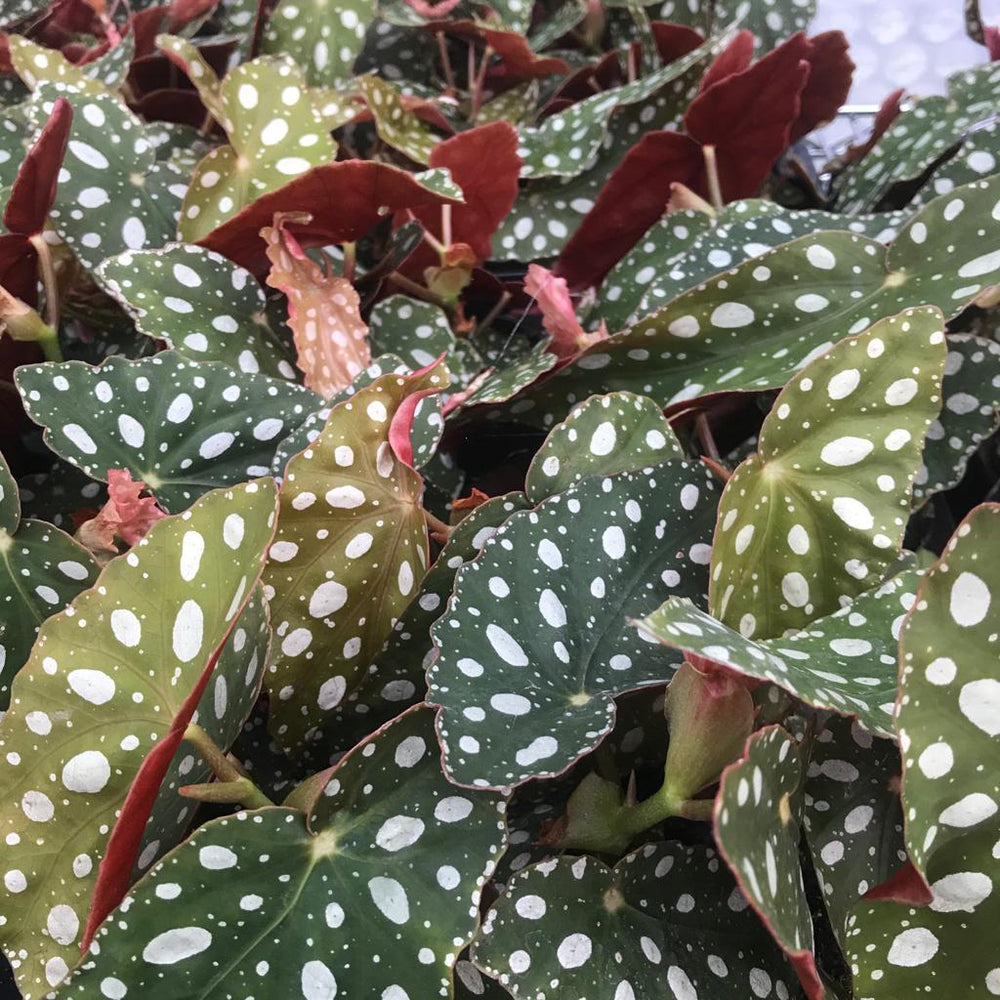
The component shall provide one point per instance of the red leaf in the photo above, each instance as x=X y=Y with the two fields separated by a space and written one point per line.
x=344 y=199
x=324 y=312
x=906 y=886
x=634 y=197
x=734 y=58
x=484 y=163
x=401 y=425
x=830 y=75
x=19 y=268
x=34 y=188
x=992 y=38
x=587 y=81
x=674 y=40
x=748 y=117
x=887 y=114
x=551 y=294
x=519 y=59
x=126 y=515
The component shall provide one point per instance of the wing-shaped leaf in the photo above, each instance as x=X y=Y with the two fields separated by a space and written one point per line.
x=605 y=435
x=180 y=426
x=395 y=124
x=667 y=922
x=109 y=688
x=350 y=550
x=757 y=830
x=224 y=317
x=845 y=662
x=948 y=728
x=41 y=570
x=535 y=643
x=36 y=65
x=755 y=326
x=818 y=514
x=769 y=21
x=310 y=904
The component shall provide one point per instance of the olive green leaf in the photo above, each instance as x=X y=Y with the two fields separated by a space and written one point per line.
x=274 y=133
x=605 y=435
x=551 y=595
x=180 y=426
x=103 y=687
x=201 y=304
x=374 y=894
x=818 y=514
x=771 y=21
x=41 y=570
x=396 y=126
x=757 y=830
x=35 y=65
x=666 y=922
x=756 y=325
x=845 y=662
x=349 y=553
x=948 y=722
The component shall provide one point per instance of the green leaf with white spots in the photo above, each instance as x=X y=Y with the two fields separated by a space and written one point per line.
x=666 y=922
x=56 y=495
x=817 y=515
x=969 y=413
x=744 y=230
x=396 y=126
x=275 y=135
x=204 y=306
x=395 y=679
x=350 y=550
x=372 y=895
x=35 y=65
x=771 y=21
x=41 y=570
x=323 y=38
x=550 y=29
x=112 y=194
x=978 y=157
x=845 y=662
x=75 y=736
x=497 y=385
x=605 y=435
x=180 y=426
x=851 y=816
x=551 y=595
x=948 y=729
x=754 y=327
x=757 y=830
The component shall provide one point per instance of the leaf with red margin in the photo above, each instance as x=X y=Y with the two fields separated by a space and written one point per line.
x=344 y=199
x=831 y=71
x=631 y=201
x=485 y=164
x=77 y=745
x=324 y=313
x=748 y=117
x=31 y=197
x=349 y=554
x=757 y=829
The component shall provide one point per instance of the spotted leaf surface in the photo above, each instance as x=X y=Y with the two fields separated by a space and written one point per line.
x=845 y=662
x=757 y=830
x=605 y=435
x=113 y=195
x=275 y=135
x=350 y=551
x=324 y=39
x=662 y=924
x=396 y=677
x=396 y=126
x=36 y=64
x=550 y=595
x=324 y=313
x=969 y=413
x=200 y=304
x=818 y=514
x=769 y=20
x=851 y=816
x=947 y=719
x=41 y=570
x=496 y=385
x=107 y=683
x=755 y=326
x=308 y=902
x=180 y=426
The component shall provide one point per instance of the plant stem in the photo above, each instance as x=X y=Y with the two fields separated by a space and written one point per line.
x=449 y=74
x=419 y=291
x=222 y=765
x=712 y=173
x=49 y=282
x=437 y=527
x=477 y=91
x=233 y=784
x=350 y=256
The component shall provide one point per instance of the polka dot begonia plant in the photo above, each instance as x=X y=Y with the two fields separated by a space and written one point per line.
x=496 y=501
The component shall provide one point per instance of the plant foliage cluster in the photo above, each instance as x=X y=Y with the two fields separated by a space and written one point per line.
x=485 y=513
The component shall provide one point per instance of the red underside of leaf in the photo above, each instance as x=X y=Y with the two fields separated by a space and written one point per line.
x=19 y=268
x=830 y=75
x=992 y=37
x=34 y=188
x=888 y=112
x=674 y=40
x=734 y=58
x=519 y=61
x=344 y=199
x=906 y=886
x=634 y=197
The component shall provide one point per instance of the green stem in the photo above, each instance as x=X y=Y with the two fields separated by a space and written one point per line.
x=49 y=343
x=233 y=784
